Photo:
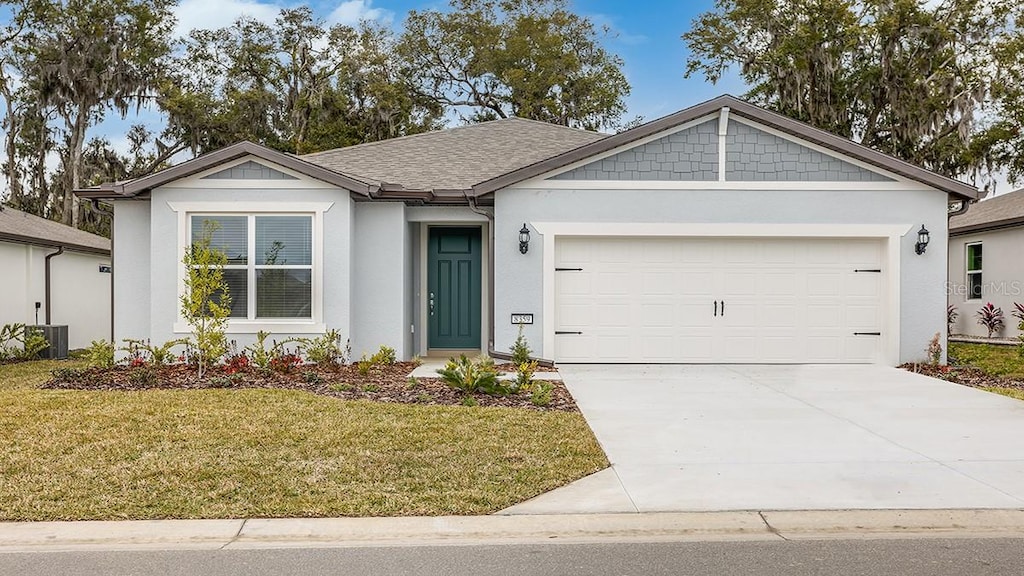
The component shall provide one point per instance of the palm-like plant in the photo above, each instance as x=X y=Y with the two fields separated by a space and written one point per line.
x=951 y=316
x=991 y=318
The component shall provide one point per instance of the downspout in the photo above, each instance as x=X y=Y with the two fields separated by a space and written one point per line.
x=490 y=269
x=104 y=211
x=46 y=283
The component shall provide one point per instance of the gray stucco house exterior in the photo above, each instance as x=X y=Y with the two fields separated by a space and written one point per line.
x=986 y=263
x=720 y=233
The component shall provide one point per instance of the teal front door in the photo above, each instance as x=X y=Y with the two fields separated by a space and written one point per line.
x=453 y=288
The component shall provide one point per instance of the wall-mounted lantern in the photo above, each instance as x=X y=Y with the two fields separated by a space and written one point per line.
x=524 y=239
x=923 y=237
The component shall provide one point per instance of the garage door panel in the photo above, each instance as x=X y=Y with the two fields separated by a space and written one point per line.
x=659 y=300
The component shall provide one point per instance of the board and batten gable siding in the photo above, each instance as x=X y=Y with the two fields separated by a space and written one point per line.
x=249 y=170
x=755 y=155
x=1002 y=278
x=690 y=154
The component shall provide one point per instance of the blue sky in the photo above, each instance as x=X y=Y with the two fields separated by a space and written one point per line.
x=645 y=33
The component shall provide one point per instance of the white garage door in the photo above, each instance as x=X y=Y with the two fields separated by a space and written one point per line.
x=757 y=300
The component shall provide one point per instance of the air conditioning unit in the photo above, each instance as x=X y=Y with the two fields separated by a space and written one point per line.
x=57 y=337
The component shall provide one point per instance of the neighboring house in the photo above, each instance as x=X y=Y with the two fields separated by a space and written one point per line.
x=986 y=262
x=54 y=274
x=721 y=233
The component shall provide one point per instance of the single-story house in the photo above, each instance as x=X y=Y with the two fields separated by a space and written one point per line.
x=54 y=274
x=720 y=233
x=986 y=262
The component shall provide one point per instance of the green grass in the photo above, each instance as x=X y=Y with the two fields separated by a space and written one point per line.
x=1004 y=361
x=76 y=455
x=1011 y=392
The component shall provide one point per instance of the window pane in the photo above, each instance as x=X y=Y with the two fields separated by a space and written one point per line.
x=974 y=288
x=284 y=294
x=230 y=236
x=974 y=257
x=238 y=283
x=284 y=240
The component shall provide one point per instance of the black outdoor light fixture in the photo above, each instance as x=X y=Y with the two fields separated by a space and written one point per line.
x=524 y=239
x=922 y=240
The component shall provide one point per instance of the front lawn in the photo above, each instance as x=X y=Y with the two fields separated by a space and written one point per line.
x=230 y=453
x=1001 y=361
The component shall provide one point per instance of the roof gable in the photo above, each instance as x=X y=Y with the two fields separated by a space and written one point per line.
x=249 y=170
x=740 y=110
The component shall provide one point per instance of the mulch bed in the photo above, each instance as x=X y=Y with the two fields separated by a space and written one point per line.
x=381 y=384
x=965 y=375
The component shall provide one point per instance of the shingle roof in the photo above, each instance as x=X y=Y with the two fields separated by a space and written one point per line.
x=457 y=158
x=19 y=226
x=995 y=212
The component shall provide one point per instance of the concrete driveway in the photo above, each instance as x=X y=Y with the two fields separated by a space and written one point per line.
x=748 y=437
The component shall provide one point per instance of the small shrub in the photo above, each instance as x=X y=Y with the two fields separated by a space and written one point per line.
x=542 y=393
x=1018 y=313
x=100 y=354
x=364 y=366
x=20 y=342
x=311 y=377
x=285 y=362
x=268 y=357
x=144 y=352
x=237 y=363
x=935 y=350
x=385 y=356
x=340 y=387
x=371 y=388
x=143 y=376
x=424 y=398
x=524 y=375
x=520 y=349
x=991 y=318
x=67 y=374
x=206 y=301
x=469 y=401
x=471 y=376
x=221 y=382
x=417 y=361
x=412 y=383
x=951 y=315
x=325 y=350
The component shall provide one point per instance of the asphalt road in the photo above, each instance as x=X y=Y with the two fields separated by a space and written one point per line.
x=911 y=557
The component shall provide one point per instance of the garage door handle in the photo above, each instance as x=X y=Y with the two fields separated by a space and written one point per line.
x=566 y=332
x=867 y=333
x=716 y=308
x=723 y=308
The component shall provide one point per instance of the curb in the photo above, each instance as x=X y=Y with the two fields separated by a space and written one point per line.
x=470 y=530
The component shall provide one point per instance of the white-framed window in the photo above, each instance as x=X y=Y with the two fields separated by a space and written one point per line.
x=274 y=269
x=975 y=290
x=270 y=262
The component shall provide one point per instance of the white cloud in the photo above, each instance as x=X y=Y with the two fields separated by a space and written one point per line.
x=210 y=15
x=351 y=12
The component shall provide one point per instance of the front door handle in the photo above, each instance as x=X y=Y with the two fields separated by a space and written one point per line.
x=430 y=302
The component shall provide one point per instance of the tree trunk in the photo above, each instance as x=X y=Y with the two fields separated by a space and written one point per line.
x=76 y=143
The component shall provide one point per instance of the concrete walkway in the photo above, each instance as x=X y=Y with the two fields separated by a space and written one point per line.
x=470 y=530
x=690 y=438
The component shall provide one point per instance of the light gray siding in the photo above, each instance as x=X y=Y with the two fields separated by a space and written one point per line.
x=755 y=155
x=132 y=270
x=250 y=171
x=381 y=279
x=519 y=277
x=1002 y=278
x=163 y=253
x=687 y=155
